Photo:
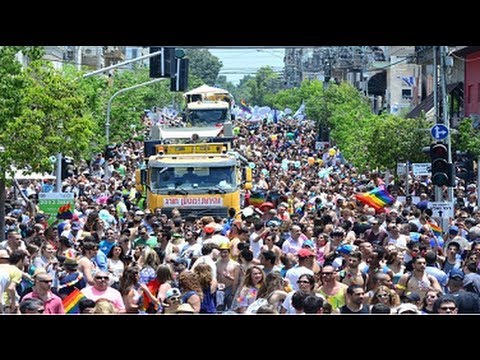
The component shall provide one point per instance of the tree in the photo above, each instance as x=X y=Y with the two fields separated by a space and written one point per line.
x=365 y=139
x=468 y=137
x=265 y=81
x=12 y=84
x=224 y=84
x=53 y=118
x=127 y=108
x=393 y=139
x=204 y=65
x=42 y=112
x=242 y=91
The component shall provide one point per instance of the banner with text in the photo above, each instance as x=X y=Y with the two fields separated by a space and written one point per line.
x=56 y=205
x=202 y=201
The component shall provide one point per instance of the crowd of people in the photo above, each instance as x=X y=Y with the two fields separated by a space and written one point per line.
x=302 y=243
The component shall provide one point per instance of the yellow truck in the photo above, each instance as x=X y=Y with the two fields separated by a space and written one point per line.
x=197 y=179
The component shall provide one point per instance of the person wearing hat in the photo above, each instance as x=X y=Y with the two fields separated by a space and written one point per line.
x=412 y=297
x=456 y=234
x=208 y=231
x=185 y=309
x=407 y=308
x=468 y=302
x=70 y=278
x=172 y=301
x=175 y=245
x=306 y=258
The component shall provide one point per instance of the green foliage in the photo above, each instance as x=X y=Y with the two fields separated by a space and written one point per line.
x=468 y=137
x=127 y=108
x=227 y=85
x=12 y=84
x=366 y=139
x=203 y=65
x=394 y=139
x=53 y=117
x=265 y=82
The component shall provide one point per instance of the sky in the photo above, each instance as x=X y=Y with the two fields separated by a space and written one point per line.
x=240 y=62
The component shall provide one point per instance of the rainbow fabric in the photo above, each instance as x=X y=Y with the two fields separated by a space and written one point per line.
x=244 y=107
x=70 y=303
x=437 y=230
x=376 y=198
x=64 y=212
x=256 y=199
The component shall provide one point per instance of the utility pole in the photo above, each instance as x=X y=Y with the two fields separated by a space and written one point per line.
x=100 y=71
x=446 y=119
x=438 y=189
x=58 y=177
x=78 y=57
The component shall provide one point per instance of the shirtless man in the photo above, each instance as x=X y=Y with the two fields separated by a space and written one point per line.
x=418 y=281
x=228 y=277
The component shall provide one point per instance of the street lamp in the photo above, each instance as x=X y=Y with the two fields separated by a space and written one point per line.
x=2 y=199
x=107 y=122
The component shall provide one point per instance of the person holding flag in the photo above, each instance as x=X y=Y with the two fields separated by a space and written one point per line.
x=244 y=107
x=300 y=113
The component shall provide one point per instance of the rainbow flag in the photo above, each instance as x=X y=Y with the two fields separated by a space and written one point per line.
x=437 y=230
x=70 y=303
x=244 y=107
x=376 y=198
x=64 y=212
x=256 y=199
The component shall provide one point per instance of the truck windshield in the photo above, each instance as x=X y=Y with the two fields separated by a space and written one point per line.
x=188 y=178
x=207 y=117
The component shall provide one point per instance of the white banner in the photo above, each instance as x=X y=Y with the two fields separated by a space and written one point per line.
x=202 y=201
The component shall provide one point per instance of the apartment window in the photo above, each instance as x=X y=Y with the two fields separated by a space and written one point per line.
x=406 y=93
x=134 y=53
x=469 y=93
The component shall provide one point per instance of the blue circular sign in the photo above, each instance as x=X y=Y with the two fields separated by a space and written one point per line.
x=439 y=132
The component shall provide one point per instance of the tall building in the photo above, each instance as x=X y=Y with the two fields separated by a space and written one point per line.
x=293 y=67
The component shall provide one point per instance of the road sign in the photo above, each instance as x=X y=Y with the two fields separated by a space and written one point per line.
x=442 y=209
x=50 y=203
x=439 y=132
x=421 y=169
x=401 y=168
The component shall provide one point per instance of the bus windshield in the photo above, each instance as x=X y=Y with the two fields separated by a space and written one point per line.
x=207 y=117
x=188 y=178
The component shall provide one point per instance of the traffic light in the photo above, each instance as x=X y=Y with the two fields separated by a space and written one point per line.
x=442 y=171
x=464 y=166
x=179 y=82
x=162 y=65
x=110 y=151
x=68 y=169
